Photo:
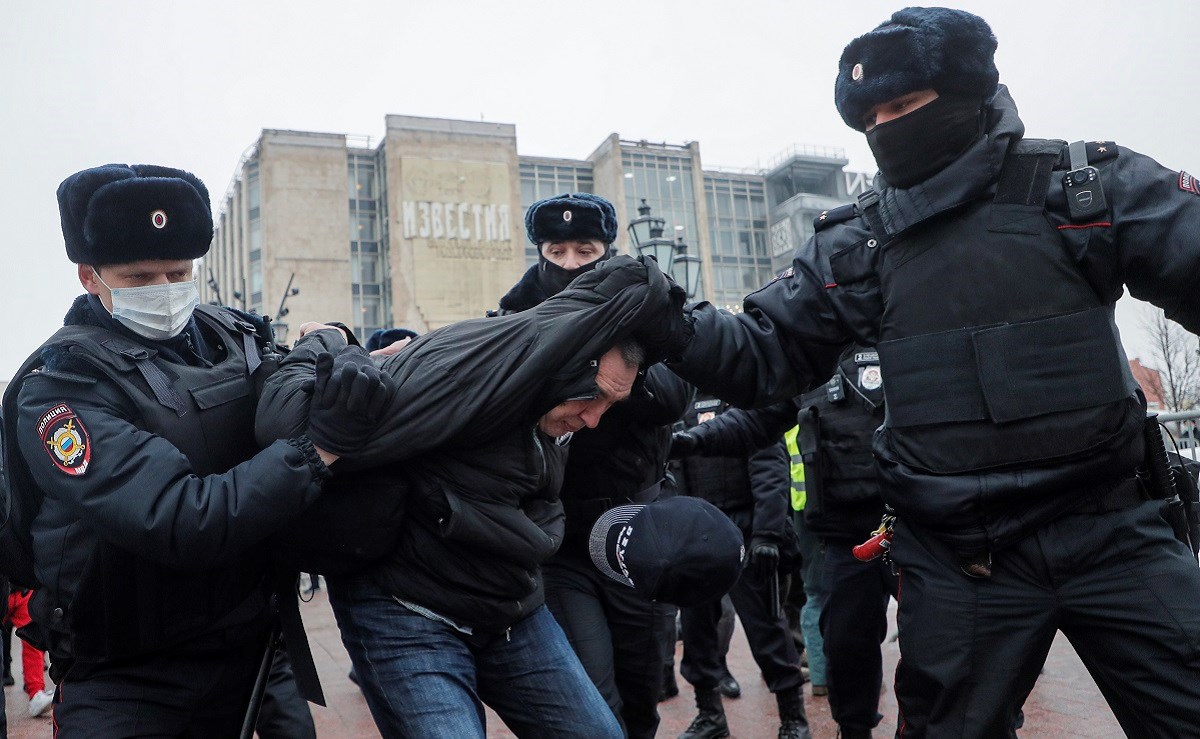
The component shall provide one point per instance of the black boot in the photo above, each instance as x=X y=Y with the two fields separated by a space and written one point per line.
x=793 y=723
x=851 y=732
x=710 y=722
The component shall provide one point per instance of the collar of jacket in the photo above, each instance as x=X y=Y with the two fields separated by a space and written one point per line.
x=525 y=294
x=189 y=347
x=972 y=175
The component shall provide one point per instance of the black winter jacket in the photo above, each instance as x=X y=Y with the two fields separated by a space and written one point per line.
x=178 y=533
x=482 y=483
x=756 y=476
x=626 y=454
x=792 y=330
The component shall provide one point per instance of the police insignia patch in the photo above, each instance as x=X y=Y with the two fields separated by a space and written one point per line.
x=66 y=439
x=1188 y=183
x=869 y=377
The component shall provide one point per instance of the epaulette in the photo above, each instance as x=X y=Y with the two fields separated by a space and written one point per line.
x=64 y=376
x=1097 y=151
x=840 y=214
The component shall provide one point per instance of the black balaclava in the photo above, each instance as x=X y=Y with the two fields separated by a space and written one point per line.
x=918 y=145
x=553 y=279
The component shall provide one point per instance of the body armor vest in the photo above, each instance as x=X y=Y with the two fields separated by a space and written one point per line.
x=124 y=604
x=837 y=423
x=1009 y=396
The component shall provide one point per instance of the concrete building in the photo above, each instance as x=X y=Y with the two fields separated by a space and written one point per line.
x=427 y=226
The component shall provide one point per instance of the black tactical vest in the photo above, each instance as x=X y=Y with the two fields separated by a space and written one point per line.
x=837 y=424
x=126 y=605
x=1009 y=395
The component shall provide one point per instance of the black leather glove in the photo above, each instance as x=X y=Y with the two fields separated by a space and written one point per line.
x=764 y=557
x=668 y=330
x=349 y=397
x=683 y=444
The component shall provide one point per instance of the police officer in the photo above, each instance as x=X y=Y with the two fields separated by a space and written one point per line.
x=620 y=637
x=752 y=489
x=984 y=266
x=133 y=432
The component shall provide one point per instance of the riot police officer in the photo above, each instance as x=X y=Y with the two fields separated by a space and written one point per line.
x=130 y=434
x=752 y=488
x=984 y=266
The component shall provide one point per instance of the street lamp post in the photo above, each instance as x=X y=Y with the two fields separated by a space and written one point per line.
x=646 y=232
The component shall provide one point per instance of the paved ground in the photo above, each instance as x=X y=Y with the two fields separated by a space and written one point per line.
x=1065 y=702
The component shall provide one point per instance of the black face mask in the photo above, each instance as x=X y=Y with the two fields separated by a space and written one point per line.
x=918 y=145
x=554 y=279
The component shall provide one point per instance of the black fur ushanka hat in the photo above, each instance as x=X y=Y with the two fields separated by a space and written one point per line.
x=571 y=217
x=947 y=50
x=117 y=213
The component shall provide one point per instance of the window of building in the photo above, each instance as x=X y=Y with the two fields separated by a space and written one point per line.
x=368 y=258
x=737 y=226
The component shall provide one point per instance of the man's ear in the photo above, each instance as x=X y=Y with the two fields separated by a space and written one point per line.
x=88 y=278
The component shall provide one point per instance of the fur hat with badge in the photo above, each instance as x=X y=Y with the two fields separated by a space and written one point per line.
x=947 y=50
x=571 y=217
x=117 y=214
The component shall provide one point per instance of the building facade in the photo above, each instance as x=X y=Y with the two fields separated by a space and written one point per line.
x=427 y=227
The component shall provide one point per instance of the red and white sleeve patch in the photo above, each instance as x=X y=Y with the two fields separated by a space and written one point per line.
x=65 y=439
x=1188 y=183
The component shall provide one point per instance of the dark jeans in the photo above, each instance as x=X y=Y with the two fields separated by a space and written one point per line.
x=619 y=637
x=1118 y=585
x=703 y=662
x=424 y=678
x=168 y=695
x=854 y=624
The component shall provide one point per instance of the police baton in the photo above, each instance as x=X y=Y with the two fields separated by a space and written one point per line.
x=773 y=594
x=260 y=684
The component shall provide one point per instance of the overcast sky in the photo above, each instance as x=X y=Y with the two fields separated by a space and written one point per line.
x=191 y=85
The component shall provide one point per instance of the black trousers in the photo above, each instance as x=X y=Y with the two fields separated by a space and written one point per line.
x=284 y=714
x=703 y=662
x=620 y=638
x=172 y=694
x=1117 y=584
x=854 y=625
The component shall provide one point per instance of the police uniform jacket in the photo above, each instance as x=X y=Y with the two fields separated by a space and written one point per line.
x=751 y=479
x=1009 y=399
x=148 y=537
x=624 y=457
x=481 y=481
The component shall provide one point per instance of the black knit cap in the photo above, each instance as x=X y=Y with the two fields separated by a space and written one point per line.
x=385 y=337
x=571 y=217
x=117 y=213
x=947 y=50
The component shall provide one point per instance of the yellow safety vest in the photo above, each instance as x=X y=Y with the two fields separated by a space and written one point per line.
x=799 y=493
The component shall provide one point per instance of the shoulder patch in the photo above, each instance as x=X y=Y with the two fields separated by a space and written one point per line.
x=1188 y=183
x=1099 y=151
x=840 y=214
x=65 y=439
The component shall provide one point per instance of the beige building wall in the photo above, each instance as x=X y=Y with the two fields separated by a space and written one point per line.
x=305 y=225
x=454 y=231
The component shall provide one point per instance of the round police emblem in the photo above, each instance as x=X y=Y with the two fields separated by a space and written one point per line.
x=158 y=219
x=869 y=377
x=66 y=440
x=567 y=216
x=856 y=74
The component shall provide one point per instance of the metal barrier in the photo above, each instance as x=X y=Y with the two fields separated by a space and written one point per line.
x=1184 y=426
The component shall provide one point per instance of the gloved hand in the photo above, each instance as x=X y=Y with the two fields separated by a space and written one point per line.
x=683 y=444
x=666 y=331
x=764 y=557
x=349 y=397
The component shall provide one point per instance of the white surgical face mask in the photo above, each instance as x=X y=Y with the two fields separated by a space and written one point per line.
x=156 y=312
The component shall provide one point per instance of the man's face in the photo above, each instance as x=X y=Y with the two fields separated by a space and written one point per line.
x=614 y=378
x=897 y=107
x=133 y=274
x=572 y=254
